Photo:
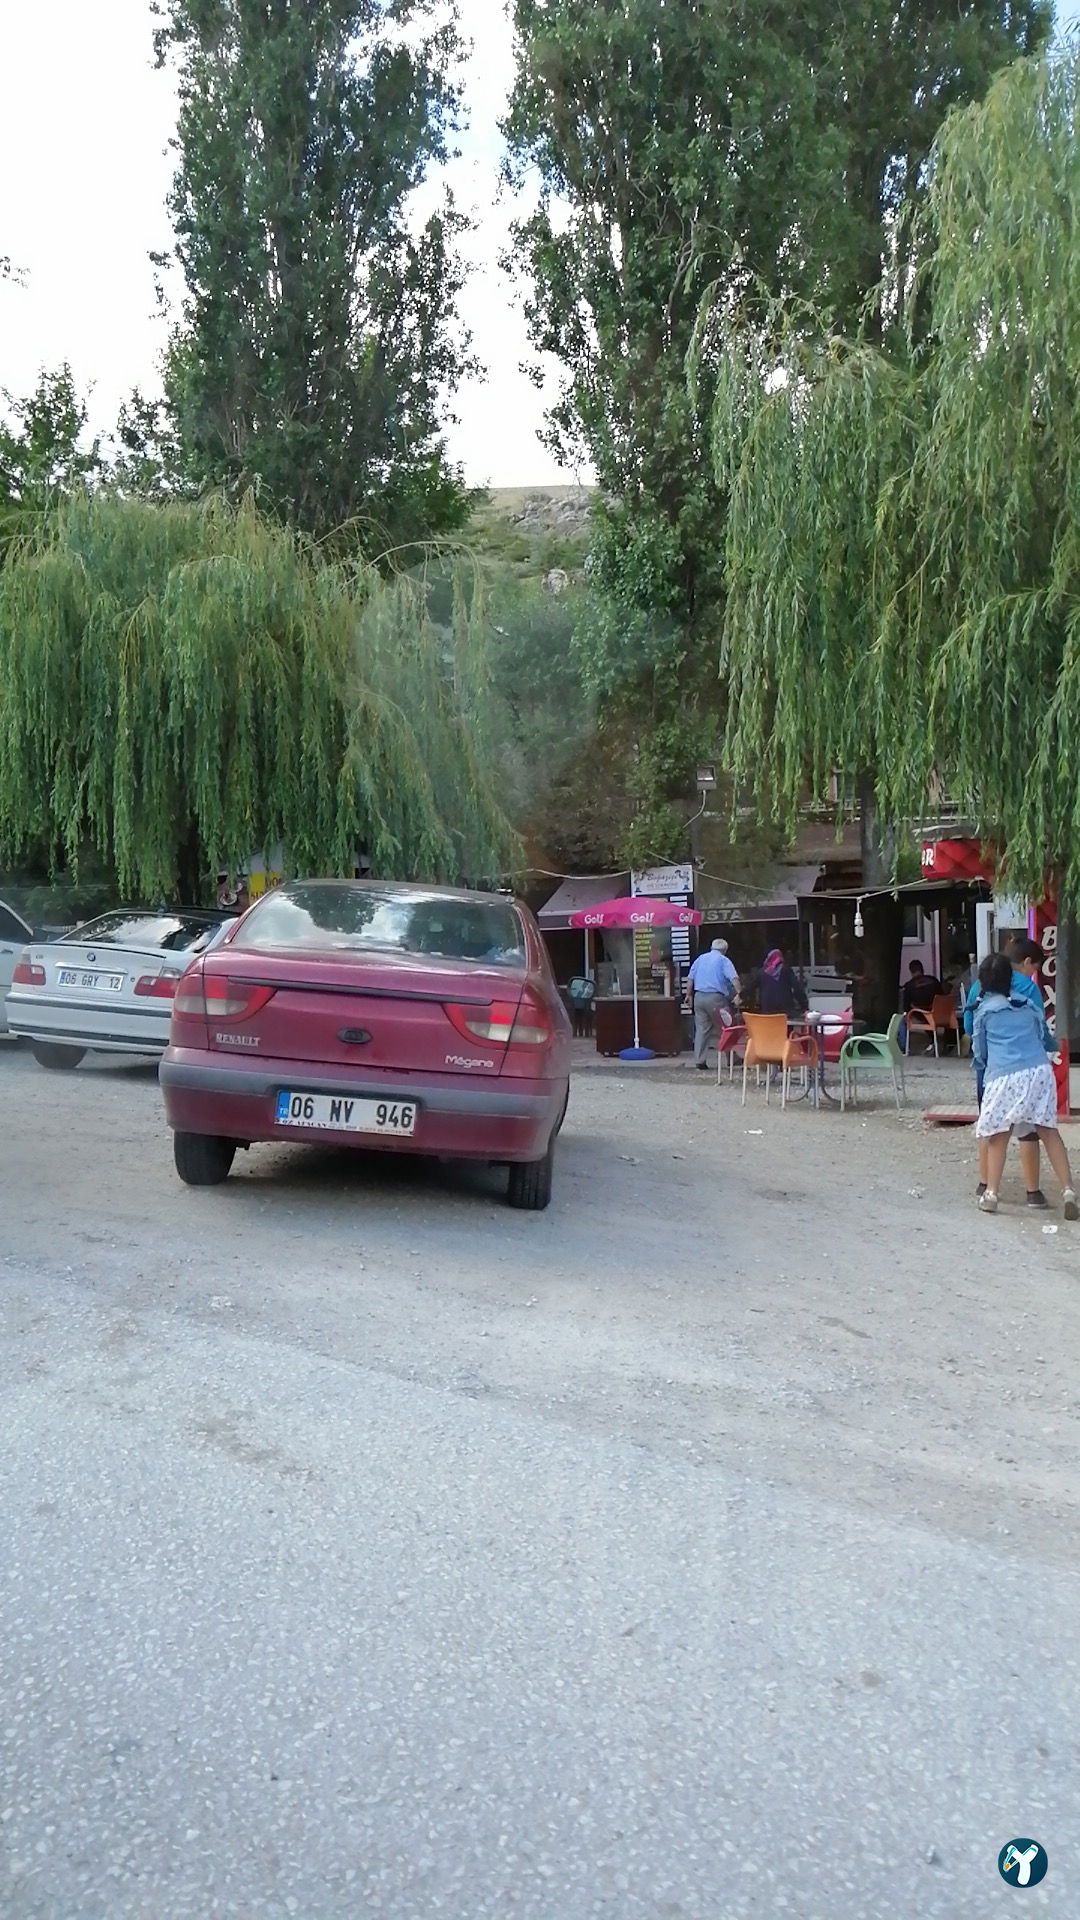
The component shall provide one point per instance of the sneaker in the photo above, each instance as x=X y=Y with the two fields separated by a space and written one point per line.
x=1037 y=1198
x=702 y=1066
x=1072 y=1211
x=988 y=1202
x=980 y=1189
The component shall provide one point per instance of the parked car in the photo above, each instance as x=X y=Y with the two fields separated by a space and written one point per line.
x=14 y=934
x=106 y=986
x=360 y=1013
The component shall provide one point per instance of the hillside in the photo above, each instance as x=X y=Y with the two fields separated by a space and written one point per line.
x=534 y=528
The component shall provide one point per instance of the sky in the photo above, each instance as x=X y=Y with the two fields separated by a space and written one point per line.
x=84 y=126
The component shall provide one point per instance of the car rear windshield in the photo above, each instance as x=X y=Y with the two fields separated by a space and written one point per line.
x=362 y=919
x=171 y=931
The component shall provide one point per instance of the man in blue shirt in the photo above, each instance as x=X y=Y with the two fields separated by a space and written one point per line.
x=1027 y=957
x=712 y=985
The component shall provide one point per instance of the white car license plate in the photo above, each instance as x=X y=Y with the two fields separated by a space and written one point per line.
x=100 y=982
x=340 y=1114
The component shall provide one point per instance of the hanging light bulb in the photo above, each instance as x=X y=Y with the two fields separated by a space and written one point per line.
x=859 y=927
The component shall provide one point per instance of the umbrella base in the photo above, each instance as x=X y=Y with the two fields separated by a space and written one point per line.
x=637 y=1053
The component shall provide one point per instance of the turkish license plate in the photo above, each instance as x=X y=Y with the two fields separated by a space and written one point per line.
x=90 y=982
x=343 y=1114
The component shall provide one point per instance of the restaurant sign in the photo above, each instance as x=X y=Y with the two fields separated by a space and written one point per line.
x=956 y=860
x=662 y=882
x=645 y=916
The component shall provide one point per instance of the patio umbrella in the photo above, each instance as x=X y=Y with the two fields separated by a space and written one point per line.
x=636 y=912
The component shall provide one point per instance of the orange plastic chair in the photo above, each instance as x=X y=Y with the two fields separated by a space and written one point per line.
x=801 y=1054
x=942 y=1016
x=769 y=1044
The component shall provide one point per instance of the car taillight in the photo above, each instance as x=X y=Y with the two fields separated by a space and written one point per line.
x=26 y=973
x=158 y=986
x=201 y=999
x=502 y=1023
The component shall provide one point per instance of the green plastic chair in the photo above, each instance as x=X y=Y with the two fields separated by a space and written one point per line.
x=872 y=1053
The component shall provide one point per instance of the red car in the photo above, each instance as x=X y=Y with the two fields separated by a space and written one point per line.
x=361 y=1013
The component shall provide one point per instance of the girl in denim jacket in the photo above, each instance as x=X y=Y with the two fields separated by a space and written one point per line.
x=1009 y=1045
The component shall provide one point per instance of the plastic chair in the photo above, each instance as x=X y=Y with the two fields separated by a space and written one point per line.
x=730 y=1040
x=803 y=1053
x=873 y=1053
x=942 y=1015
x=769 y=1044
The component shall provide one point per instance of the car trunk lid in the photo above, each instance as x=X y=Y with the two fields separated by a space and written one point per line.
x=374 y=1011
x=80 y=971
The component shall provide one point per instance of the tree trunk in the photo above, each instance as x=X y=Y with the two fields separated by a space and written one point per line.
x=877 y=849
x=881 y=946
x=191 y=876
x=876 y=997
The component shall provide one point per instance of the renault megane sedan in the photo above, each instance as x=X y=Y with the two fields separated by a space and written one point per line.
x=400 y=1018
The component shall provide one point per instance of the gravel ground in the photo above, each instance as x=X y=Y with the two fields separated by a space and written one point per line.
x=704 y=1546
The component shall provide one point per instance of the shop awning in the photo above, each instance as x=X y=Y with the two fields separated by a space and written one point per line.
x=577 y=894
x=781 y=903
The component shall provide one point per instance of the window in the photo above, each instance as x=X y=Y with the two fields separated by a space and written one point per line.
x=12 y=928
x=351 y=917
x=174 y=932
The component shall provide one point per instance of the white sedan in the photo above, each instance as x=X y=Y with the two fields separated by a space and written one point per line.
x=107 y=986
x=14 y=934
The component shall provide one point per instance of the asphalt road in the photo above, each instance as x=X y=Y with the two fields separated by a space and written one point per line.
x=706 y=1546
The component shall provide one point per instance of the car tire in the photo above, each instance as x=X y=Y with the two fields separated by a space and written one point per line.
x=530 y=1182
x=58 y=1059
x=203 y=1159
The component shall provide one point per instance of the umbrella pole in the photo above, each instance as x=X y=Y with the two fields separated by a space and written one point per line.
x=633 y=962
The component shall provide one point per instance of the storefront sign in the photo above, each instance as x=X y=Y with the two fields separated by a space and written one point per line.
x=266 y=869
x=957 y=860
x=1044 y=930
x=662 y=882
x=645 y=917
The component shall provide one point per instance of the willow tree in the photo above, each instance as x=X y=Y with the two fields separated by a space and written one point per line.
x=668 y=144
x=904 y=540
x=182 y=684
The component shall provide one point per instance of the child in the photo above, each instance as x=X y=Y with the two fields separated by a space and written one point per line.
x=1009 y=1045
x=1026 y=957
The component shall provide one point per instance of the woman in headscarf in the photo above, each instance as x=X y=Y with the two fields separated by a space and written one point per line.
x=781 y=989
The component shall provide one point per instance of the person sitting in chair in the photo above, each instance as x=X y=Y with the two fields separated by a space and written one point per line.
x=921 y=990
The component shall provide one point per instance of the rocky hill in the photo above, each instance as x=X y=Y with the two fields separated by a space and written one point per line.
x=534 y=528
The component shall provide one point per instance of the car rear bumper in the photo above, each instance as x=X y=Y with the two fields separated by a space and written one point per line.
x=457 y=1117
x=33 y=1016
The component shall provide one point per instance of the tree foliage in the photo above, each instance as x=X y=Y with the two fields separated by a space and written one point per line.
x=770 y=153
x=44 y=451
x=904 y=539
x=316 y=346
x=181 y=685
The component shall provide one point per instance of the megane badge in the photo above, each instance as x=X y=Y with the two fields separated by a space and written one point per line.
x=354 y=1036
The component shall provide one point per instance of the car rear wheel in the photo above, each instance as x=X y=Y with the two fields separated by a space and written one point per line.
x=58 y=1059
x=203 y=1159
x=530 y=1182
